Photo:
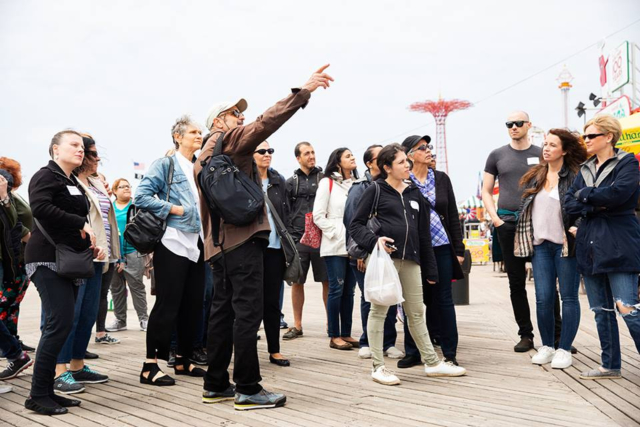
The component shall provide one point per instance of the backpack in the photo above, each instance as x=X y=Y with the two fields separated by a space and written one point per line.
x=231 y=195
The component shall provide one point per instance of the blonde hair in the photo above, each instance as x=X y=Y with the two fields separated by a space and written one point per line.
x=607 y=125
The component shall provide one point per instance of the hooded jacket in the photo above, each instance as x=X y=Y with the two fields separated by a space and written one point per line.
x=403 y=218
x=301 y=195
x=608 y=238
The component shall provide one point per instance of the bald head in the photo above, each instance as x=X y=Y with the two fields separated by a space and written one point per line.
x=518 y=115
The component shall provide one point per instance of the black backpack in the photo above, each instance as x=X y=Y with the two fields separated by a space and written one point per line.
x=230 y=194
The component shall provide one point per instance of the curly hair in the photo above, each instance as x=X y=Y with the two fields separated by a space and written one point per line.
x=13 y=167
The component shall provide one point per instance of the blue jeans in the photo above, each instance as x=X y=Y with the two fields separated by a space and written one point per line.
x=342 y=284
x=390 y=333
x=603 y=295
x=441 y=312
x=9 y=345
x=84 y=317
x=548 y=266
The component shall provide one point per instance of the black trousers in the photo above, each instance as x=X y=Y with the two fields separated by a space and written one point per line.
x=274 y=267
x=236 y=313
x=179 y=294
x=58 y=298
x=104 y=292
x=517 y=273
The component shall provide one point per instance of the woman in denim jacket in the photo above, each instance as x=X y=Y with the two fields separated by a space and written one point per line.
x=178 y=258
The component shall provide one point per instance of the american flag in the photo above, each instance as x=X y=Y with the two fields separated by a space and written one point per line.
x=138 y=166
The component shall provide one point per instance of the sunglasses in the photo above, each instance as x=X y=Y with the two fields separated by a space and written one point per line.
x=423 y=147
x=124 y=187
x=592 y=136
x=236 y=113
x=264 y=151
x=518 y=123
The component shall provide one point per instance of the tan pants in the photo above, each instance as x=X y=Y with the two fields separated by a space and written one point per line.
x=413 y=305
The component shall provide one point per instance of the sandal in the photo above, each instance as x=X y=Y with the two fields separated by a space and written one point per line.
x=188 y=368
x=156 y=376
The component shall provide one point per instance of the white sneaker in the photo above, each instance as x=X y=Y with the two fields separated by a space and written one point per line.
x=444 y=369
x=5 y=388
x=562 y=359
x=143 y=325
x=116 y=326
x=543 y=356
x=384 y=376
x=364 y=353
x=394 y=353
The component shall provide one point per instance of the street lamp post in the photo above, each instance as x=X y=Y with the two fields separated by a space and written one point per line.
x=564 y=80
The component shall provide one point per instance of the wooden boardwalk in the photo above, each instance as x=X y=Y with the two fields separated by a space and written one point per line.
x=327 y=387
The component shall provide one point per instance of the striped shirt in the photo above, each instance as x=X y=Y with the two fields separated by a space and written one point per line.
x=105 y=206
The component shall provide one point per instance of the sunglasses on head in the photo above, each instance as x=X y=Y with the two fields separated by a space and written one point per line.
x=264 y=151
x=518 y=123
x=592 y=136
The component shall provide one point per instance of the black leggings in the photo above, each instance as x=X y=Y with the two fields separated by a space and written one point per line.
x=58 y=297
x=104 y=291
x=274 y=267
x=179 y=294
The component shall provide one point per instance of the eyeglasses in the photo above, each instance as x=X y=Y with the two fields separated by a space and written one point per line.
x=592 y=136
x=124 y=187
x=518 y=123
x=264 y=151
x=423 y=147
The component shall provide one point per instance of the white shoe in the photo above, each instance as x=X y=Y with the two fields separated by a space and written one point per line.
x=5 y=388
x=143 y=325
x=394 y=353
x=444 y=369
x=364 y=353
x=116 y=326
x=562 y=359
x=543 y=356
x=384 y=376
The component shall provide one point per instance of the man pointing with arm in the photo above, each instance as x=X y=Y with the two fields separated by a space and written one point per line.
x=236 y=308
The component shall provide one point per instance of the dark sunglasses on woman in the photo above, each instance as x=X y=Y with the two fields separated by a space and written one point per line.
x=264 y=151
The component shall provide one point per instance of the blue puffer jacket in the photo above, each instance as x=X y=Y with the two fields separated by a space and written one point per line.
x=154 y=184
x=608 y=239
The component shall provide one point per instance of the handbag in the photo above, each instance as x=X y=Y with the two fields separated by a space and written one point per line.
x=70 y=263
x=293 y=272
x=353 y=249
x=144 y=230
x=312 y=236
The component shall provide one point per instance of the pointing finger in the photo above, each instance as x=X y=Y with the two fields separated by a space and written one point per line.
x=321 y=69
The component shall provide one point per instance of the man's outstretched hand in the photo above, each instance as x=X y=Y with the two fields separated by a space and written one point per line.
x=318 y=79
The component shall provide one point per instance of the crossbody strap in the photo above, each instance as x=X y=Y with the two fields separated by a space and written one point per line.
x=46 y=235
x=374 y=207
x=171 y=169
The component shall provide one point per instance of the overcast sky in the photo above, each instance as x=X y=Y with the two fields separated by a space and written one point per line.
x=125 y=70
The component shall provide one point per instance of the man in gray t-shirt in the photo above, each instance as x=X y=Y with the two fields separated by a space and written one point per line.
x=508 y=164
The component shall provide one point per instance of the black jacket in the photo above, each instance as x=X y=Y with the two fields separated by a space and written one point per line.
x=403 y=218
x=61 y=213
x=277 y=195
x=301 y=193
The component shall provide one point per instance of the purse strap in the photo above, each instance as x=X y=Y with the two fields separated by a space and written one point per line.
x=374 y=207
x=171 y=169
x=275 y=215
x=46 y=235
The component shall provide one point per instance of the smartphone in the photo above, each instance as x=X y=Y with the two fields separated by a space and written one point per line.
x=390 y=246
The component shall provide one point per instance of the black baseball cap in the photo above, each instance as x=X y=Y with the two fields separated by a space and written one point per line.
x=410 y=141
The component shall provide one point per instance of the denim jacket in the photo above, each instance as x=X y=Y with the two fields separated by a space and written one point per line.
x=154 y=183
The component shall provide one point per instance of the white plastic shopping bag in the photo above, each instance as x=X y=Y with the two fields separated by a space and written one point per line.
x=381 y=281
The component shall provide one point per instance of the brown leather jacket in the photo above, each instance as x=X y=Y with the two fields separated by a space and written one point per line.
x=240 y=144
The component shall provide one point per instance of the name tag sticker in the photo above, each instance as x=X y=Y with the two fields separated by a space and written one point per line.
x=532 y=161
x=414 y=205
x=554 y=193
x=73 y=190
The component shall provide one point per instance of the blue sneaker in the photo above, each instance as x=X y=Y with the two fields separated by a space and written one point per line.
x=88 y=376
x=65 y=384
x=262 y=400
x=216 y=396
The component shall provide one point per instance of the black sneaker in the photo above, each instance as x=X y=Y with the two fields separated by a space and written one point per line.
x=409 y=361
x=65 y=384
x=262 y=400
x=216 y=396
x=172 y=359
x=89 y=355
x=452 y=360
x=16 y=366
x=199 y=356
x=88 y=376
x=524 y=345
